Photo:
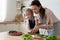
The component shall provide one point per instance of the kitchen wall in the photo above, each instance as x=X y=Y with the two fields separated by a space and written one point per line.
x=11 y=10
x=54 y=5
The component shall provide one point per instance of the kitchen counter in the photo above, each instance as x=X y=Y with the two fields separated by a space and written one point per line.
x=6 y=36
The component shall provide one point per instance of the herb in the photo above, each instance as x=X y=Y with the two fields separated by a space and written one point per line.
x=27 y=36
x=52 y=38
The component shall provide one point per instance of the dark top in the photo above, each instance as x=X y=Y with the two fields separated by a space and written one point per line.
x=32 y=25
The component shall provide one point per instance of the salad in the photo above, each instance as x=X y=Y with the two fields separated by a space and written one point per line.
x=27 y=36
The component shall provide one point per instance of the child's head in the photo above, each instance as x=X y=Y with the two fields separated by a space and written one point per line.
x=29 y=13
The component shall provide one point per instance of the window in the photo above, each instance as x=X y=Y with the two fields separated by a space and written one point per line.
x=3 y=6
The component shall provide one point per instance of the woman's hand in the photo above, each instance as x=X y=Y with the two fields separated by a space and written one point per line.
x=46 y=26
x=31 y=32
x=50 y=26
x=35 y=29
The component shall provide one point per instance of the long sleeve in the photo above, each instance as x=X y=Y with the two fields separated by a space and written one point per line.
x=51 y=17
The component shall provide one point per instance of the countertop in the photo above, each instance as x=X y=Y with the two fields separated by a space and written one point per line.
x=6 y=36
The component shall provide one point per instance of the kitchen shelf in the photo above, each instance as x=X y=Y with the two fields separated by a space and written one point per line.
x=9 y=22
x=18 y=0
x=18 y=6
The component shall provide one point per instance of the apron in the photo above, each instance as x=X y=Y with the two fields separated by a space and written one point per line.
x=57 y=28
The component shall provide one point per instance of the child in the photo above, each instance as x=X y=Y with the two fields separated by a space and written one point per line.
x=31 y=22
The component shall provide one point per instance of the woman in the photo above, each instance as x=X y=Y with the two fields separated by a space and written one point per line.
x=30 y=22
x=46 y=18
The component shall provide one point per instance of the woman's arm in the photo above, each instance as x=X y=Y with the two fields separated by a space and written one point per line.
x=48 y=25
x=36 y=22
x=39 y=25
x=49 y=21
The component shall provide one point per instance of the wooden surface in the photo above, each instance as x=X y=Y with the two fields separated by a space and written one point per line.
x=6 y=36
x=9 y=22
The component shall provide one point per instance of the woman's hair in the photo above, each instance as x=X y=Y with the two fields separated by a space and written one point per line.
x=38 y=4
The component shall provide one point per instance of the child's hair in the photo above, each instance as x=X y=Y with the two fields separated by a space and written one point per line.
x=30 y=10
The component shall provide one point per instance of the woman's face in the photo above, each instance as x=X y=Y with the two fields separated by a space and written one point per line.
x=28 y=14
x=35 y=9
